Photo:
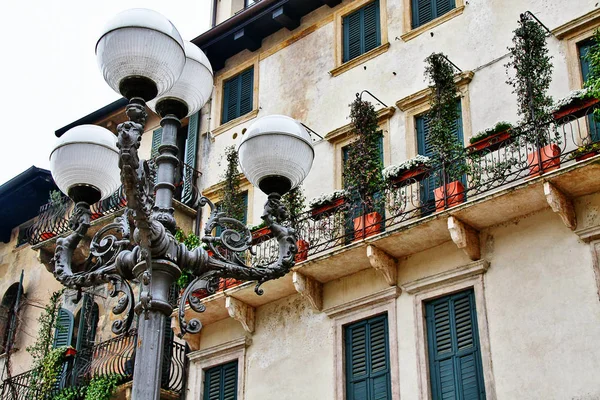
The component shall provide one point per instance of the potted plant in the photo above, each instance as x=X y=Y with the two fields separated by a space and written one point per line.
x=574 y=105
x=585 y=152
x=448 y=153
x=532 y=77
x=260 y=233
x=294 y=203
x=56 y=208
x=491 y=138
x=362 y=171
x=412 y=169
x=325 y=203
x=232 y=202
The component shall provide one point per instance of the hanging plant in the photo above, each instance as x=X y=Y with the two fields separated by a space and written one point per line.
x=532 y=67
x=294 y=203
x=362 y=171
x=593 y=82
x=191 y=241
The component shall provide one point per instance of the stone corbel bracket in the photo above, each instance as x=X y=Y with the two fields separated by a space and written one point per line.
x=241 y=312
x=309 y=288
x=561 y=205
x=465 y=237
x=384 y=263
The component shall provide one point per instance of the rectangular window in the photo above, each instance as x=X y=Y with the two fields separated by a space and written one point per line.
x=424 y=11
x=220 y=382
x=238 y=93
x=367 y=360
x=584 y=48
x=362 y=32
x=453 y=345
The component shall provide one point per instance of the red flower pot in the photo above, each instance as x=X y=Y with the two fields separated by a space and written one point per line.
x=262 y=234
x=415 y=174
x=454 y=193
x=550 y=159
x=47 y=235
x=367 y=225
x=327 y=207
x=491 y=143
x=70 y=352
x=576 y=109
x=302 y=250
x=95 y=216
x=586 y=156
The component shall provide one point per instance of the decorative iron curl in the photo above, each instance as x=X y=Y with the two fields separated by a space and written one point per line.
x=125 y=303
x=208 y=282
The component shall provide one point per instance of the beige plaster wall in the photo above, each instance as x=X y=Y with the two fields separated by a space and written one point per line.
x=38 y=285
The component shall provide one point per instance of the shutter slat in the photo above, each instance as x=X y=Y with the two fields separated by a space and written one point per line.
x=247 y=89
x=422 y=12
x=371 y=27
x=444 y=6
x=221 y=382
x=156 y=139
x=64 y=328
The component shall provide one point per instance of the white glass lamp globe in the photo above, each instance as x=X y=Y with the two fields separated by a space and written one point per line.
x=85 y=163
x=193 y=88
x=276 y=154
x=140 y=53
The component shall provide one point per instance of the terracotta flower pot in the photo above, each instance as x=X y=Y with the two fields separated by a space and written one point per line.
x=492 y=142
x=302 y=250
x=550 y=160
x=415 y=174
x=586 y=156
x=47 y=235
x=315 y=212
x=70 y=352
x=95 y=216
x=454 y=193
x=367 y=225
x=576 y=109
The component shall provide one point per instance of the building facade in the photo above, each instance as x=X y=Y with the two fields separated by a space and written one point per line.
x=494 y=296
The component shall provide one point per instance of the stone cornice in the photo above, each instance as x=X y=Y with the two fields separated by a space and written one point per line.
x=577 y=25
x=422 y=96
x=342 y=132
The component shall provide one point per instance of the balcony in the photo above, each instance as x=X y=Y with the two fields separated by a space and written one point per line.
x=53 y=219
x=509 y=177
x=115 y=356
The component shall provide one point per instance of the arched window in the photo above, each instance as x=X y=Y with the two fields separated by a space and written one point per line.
x=8 y=317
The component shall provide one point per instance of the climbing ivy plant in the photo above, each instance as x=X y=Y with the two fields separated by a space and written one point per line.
x=47 y=362
x=593 y=82
x=98 y=388
x=362 y=170
x=191 y=241
x=532 y=74
x=294 y=203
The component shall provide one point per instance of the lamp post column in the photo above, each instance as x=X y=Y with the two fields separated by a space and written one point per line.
x=147 y=375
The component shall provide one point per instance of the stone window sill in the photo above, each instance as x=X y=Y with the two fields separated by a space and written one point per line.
x=348 y=65
x=432 y=24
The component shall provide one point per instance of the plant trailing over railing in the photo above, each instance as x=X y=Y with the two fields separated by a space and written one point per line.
x=362 y=170
x=581 y=151
x=442 y=117
x=98 y=388
x=327 y=198
x=501 y=126
x=532 y=77
x=232 y=203
x=394 y=171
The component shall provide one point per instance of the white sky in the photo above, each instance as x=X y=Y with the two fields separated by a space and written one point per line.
x=49 y=72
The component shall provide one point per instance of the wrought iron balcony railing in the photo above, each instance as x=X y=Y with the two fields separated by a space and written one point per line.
x=53 y=218
x=499 y=163
x=114 y=356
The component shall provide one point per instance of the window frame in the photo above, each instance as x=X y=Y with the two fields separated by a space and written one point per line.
x=221 y=367
x=202 y=360
x=219 y=97
x=341 y=66
x=410 y=33
x=382 y=302
x=468 y=276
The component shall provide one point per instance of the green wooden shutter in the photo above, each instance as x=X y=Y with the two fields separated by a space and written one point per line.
x=220 y=383
x=64 y=329
x=191 y=149
x=367 y=360
x=244 y=219
x=362 y=31
x=246 y=92
x=156 y=140
x=454 y=352
x=424 y=11
x=88 y=323
x=584 y=49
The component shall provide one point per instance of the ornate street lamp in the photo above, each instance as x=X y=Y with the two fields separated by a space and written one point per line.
x=143 y=57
